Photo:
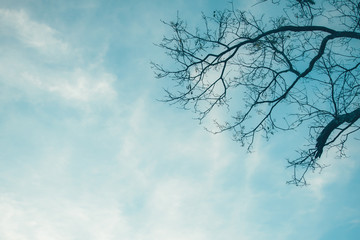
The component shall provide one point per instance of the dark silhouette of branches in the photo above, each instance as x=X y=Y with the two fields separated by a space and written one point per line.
x=299 y=68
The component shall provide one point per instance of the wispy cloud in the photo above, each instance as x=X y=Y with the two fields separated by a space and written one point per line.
x=78 y=84
x=42 y=62
x=18 y=24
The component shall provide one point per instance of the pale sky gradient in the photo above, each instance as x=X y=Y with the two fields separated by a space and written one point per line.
x=88 y=153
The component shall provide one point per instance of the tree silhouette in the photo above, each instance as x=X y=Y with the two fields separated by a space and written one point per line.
x=297 y=69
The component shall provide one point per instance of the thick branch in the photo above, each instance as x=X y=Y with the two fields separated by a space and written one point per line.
x=350 y=118
x=346 y=34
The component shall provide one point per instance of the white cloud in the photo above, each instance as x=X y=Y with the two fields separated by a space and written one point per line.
x=59 y=219
x=52 y=66
x=77 y=85
x=34 y=34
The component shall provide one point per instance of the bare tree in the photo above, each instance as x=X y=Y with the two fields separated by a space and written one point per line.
x=298 y=68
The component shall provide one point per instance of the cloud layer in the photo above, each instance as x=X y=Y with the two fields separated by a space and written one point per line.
x=88 y=153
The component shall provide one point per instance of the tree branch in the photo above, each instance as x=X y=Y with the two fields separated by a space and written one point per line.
x=350 y=118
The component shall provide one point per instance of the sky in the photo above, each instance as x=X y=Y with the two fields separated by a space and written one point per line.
x=88 y=152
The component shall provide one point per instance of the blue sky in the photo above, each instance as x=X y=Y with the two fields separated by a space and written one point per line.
x=88 y=153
